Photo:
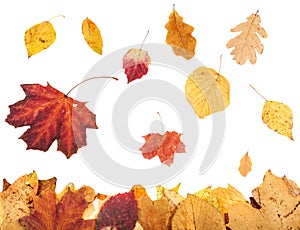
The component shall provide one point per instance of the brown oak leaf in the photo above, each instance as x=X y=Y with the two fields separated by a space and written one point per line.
x=51 y=116
x=164 y=146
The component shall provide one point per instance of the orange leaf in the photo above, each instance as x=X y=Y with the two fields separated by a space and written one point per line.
x=245 y=165
x=92 y=35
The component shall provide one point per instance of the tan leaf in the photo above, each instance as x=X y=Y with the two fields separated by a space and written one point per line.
x=278 y=117
x=92 y=35
x=207 y=91
x=39 y=37
x=247 y=43
x=180 y=37
x=245 y=165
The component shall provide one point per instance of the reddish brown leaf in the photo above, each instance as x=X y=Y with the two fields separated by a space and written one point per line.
x=135 y=63
x=119 y=212
x=65 y=215
x=164 y=146
x=51 y=116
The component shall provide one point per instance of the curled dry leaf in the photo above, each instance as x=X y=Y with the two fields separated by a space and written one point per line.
x=39 y=37
x=245 y=165
x=180 y=37
x=207 y=91
x=247 y=43
x=92 y=35
x=51 y=116
x=278 y=117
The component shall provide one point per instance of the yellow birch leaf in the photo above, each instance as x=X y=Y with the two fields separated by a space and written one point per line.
x=247 y=43
x=39 y=37
x=245 y=165
x=92 y=35
x=278 y=117
x=180 y=37
x=207 y=91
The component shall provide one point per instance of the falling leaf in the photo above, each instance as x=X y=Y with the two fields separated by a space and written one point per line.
x=15 y=201
x=245 y=165
x=207 y=91
x=39 y=37
x=180 y=37
x=119 y=212
x=92 y=35
x=196 y=213
x=66 y=214
x=278 y=117
x=247 y=43
x=135 y=63
x=164 y=146
x=51 y=116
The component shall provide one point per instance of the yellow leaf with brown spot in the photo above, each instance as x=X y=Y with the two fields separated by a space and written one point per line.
x=92 y=35
x=207 y=91
x=245 y=165
x=278 y=117
x=39 y=37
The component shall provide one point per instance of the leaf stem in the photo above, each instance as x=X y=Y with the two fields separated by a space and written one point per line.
x=89 y=80
x=60 y=15
x=258 y=92
x=144 y=39
x=162 y=124
x=220 y=65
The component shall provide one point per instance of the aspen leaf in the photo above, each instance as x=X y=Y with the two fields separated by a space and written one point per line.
x=39 y=37
x=245 y=165
x=92 y=35
x=180 y=37
x=278 y=117
x=247 y=43
x=207 y=91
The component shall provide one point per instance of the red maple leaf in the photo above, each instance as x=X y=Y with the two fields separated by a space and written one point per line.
x=119 y=212
x=135 y=63
x=164 y=146
x=51 y=116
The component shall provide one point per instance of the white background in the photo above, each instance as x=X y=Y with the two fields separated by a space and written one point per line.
x=124 y=23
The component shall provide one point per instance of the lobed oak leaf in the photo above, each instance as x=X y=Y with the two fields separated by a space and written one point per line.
x=51 y=116
x=207 y=91
x=92 y=35
x=247 y=43
x=164 y=146
x=119 y=212
x=180 y=37
x=245 y=165
x=135 y=63
x=48 y=214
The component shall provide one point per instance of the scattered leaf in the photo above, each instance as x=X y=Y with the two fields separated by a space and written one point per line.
x=164 y=146
x=247 y=43
x=180 y=37
x=51 y=116
x=135 y=63
x=278 y=117
x=207 y=91
x=92 y=35
x=245 y=165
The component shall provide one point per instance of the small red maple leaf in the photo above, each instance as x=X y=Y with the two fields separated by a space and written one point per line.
x=51 y=116
x=164 y=146
x=135 y=63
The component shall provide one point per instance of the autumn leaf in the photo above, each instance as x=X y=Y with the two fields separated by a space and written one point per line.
x=139 y=191
x=247 y=43
x=207 y=91
x=51 y=116
x=15 y=201
x=66 y=214
x=92 y=35
x=119 y=212
x=179 y=36
x=164 y=146
x=245 y=165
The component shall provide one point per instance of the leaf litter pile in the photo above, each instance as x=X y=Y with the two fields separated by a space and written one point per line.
x=30 y=203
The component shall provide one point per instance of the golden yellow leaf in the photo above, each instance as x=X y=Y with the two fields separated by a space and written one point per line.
x=247 y=43
x=139 y=191
x=92 y=35
x=39 y=37
x=207 y=91
x=180 y=37
x=278 y=117
x=245 y=165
